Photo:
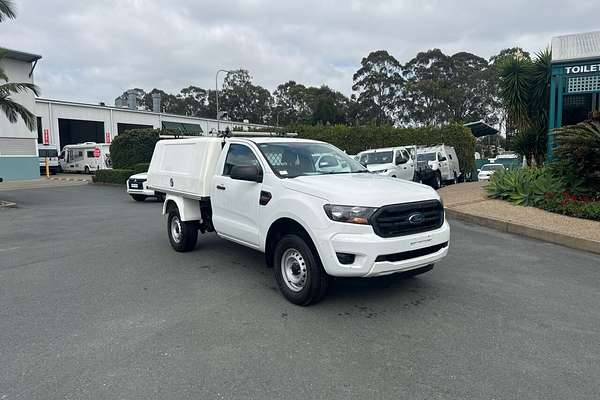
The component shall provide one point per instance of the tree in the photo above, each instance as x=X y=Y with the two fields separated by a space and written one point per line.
x=328 y=106
x=378 y=83
x=292 y=104
x=443 y=89
x=9 y=107
x=496 y=63
x=7 y=10
x=243 y=100
x=525 y=93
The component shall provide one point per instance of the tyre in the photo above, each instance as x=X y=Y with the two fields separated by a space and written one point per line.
x=86 y=170
x=417 y=271
x=138 y=197
x=436 y=181
x=182 y=235
x=160 y=196
x=455 y=180
x=298 y=271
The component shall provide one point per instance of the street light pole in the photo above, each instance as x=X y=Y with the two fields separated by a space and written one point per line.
x=217 y=94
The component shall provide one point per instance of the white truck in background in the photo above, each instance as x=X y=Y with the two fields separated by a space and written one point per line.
x=395 y=162
x=314 y=211
x=442 y=162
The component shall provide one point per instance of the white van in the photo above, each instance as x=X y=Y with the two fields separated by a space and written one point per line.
x=85 y=157
x=50 y=152
x=443 y=160
x=396 y=162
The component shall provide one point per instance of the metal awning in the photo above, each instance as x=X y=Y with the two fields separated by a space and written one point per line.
x=580 y=46
x=20 y=55
x=182 y=128
x=480 y=129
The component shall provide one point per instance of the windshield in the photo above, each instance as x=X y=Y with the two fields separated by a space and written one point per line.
x=492 y=167
x=380 y=157
x=48 y=153
x=426 y=157
x=289 y=160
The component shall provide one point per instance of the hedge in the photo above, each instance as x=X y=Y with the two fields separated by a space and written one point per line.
x=118 y=176
x=141 y=167
x=355 y=139
x=133 y=147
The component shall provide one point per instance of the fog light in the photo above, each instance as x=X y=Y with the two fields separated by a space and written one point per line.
x=345 y=258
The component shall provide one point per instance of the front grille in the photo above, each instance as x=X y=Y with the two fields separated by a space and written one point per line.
x=407 y=219
x=136 y=181
x=407 y=255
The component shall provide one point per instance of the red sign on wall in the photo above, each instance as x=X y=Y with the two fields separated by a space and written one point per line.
x=46 y=136
x=97 y=152
x=107 y=137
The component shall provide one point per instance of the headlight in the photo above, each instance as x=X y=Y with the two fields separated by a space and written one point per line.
x=349 y=214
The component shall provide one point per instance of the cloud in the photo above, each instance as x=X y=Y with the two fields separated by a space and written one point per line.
x=93 y=51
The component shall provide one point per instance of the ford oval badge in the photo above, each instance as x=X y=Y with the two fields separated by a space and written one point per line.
x=171 y=182
x=416 y=218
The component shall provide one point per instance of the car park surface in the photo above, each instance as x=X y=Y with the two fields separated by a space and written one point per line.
x=96 y=304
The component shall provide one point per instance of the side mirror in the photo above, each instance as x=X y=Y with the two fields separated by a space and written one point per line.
x=250 y=173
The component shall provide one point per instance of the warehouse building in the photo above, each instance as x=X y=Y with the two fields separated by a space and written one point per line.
x=65 y=122
x=60 y=123
x=18 y=145
x=575 y=82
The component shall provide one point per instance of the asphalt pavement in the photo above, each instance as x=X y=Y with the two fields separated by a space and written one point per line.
x=94 y=304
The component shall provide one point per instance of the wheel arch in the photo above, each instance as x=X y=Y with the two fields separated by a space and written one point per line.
x=281 y=227
x=189 y=209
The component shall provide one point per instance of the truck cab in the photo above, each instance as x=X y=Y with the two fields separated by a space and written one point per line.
x=314 y=211
x=396 y=162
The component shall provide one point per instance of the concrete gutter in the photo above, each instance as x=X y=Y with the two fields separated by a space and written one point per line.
x=590 y=245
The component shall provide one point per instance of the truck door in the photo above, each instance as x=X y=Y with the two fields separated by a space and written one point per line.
x=444 y=166
x=406 y=170
x=235 y=203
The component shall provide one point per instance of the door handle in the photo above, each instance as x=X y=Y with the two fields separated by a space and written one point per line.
x=220 y=187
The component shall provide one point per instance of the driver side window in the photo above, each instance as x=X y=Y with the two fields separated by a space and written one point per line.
x=238 y=154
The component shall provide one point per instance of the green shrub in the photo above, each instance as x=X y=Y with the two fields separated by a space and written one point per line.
x=141 y=167
x=542 y=188
x=526 y=187
x=118 y=176
x=133 y=147
x=355 y=139
x=578 y=153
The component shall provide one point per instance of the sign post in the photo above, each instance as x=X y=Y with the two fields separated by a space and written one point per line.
x=46 y=142
x=96 y=152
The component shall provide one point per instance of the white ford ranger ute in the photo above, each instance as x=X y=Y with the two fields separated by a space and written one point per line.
x=315 y=212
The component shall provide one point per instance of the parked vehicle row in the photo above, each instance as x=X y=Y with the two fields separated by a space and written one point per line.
x=314 y=211
x=430 y=165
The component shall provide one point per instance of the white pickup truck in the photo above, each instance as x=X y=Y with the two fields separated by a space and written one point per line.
x=314 y=211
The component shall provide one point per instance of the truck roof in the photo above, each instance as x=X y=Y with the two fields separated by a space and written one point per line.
x=242 y=139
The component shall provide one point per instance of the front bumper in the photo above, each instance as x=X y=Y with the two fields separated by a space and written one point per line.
x=366 y=247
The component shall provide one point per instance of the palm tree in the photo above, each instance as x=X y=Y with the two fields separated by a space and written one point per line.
x=7 y=10
x=525 y=92
x=9 y=107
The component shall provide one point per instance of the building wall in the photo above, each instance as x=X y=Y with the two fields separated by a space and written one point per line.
x=51 y=110
x=18 y=149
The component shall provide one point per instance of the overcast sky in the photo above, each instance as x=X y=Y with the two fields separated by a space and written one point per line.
x=94 y=50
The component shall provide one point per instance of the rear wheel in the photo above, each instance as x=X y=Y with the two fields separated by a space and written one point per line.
x=298 y=271
x=183 y=235
x=138 y=197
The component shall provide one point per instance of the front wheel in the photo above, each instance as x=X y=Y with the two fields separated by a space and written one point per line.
x=138 y=197
x=183 y=235
x=436 y=181
x=298 y=271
